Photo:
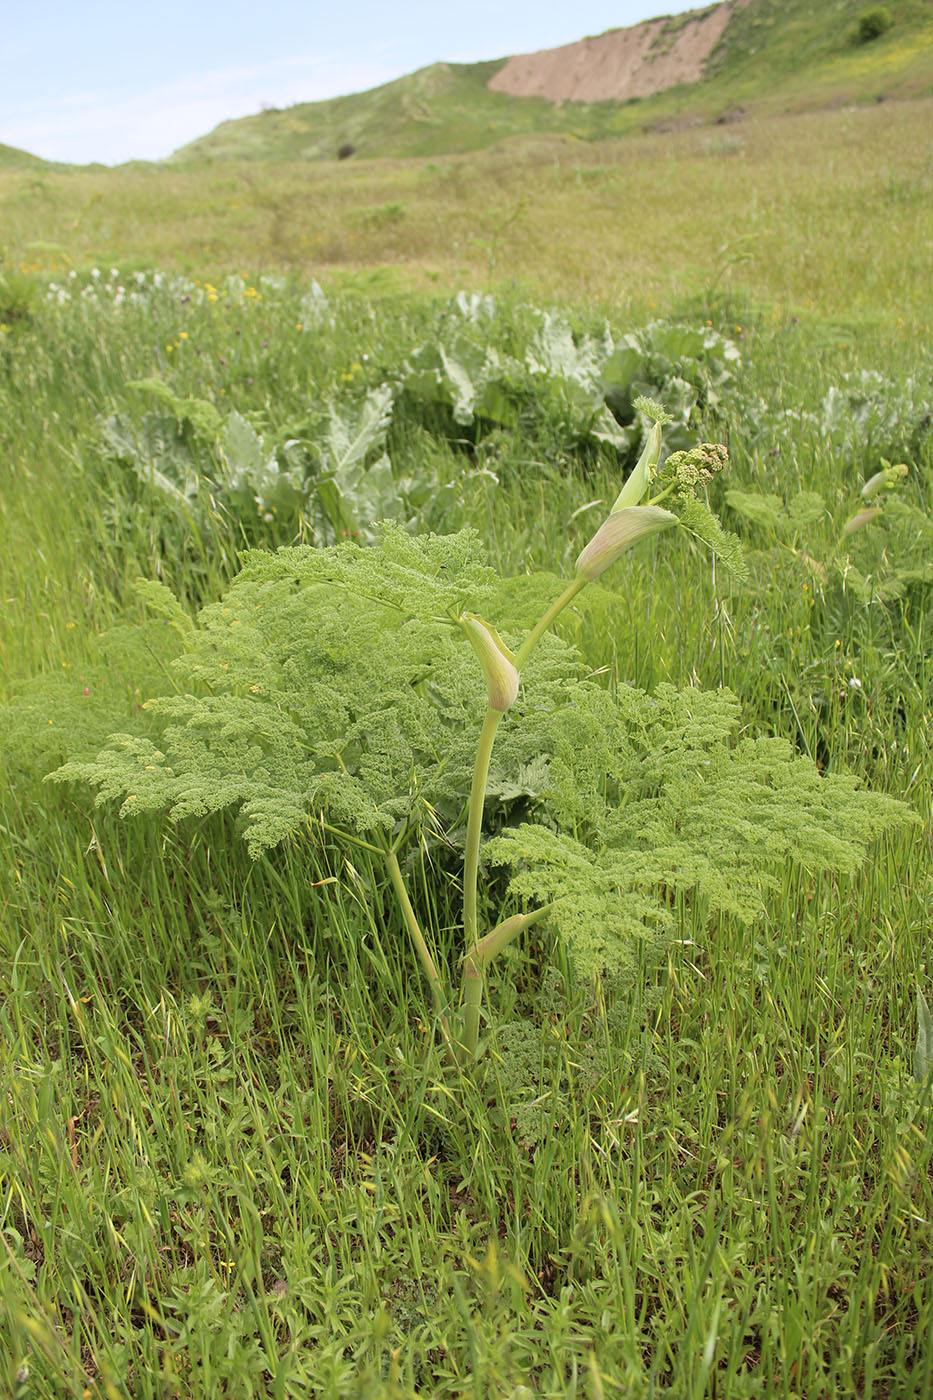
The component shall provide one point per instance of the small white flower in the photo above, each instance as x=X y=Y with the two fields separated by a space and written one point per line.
x=854 y=683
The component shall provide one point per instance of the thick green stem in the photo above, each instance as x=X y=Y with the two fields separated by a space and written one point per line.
x=471 y=997
x=475 y=822
x=421 y=947
x=543 y=623
x=472 y=990
x=501 y=936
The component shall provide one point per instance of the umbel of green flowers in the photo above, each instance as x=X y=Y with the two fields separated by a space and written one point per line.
x=364 y=696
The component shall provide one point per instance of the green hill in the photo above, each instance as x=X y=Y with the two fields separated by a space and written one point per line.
x=11 y=158
x=775 y=55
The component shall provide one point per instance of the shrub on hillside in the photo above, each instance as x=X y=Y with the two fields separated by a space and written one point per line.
x=873 y=23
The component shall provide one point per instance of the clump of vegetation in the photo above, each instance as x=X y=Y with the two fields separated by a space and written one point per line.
x=234 y=1159
x=206 y=475
x=330 y=693
x=872 y=23
x=880 y=546
x=19 y=295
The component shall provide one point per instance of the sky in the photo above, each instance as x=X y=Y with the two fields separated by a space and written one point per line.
x=110 y=82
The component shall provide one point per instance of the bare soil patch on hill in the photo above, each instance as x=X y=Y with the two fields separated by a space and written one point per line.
x=623 y=63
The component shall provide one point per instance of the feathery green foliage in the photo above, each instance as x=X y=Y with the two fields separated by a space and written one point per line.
x=880 y=547
x=330 y=691
x=231 y=1162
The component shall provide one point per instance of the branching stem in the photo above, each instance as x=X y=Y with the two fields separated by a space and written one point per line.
x=544 y=622
x=418 y=938
x=354 y=840
x=477 y=953
x=501 y=936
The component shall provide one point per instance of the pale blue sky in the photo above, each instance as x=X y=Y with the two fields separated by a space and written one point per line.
x=106 y=81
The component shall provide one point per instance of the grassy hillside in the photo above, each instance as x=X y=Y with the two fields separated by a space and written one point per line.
x=774 y=57
x=11 y=158
x=793 y=54
x=445 y=107
x=234 y=1160
x=809 y=213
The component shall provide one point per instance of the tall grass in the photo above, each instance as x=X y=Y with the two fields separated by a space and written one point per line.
x=231 y=1161
x=826 y=204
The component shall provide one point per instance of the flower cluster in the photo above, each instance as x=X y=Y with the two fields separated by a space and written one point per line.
x=685 y=471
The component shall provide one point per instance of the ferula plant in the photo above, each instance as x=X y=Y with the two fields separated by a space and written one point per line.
x=403 y=699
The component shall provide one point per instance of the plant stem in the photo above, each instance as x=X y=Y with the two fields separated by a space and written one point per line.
x=501 y=936
x=662 y=495
x=544 y=622
x=472 y=989
x=354 y=840
x=475 y=821
x=421 y=947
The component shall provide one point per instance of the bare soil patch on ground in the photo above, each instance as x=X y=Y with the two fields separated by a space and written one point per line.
x=623 y=63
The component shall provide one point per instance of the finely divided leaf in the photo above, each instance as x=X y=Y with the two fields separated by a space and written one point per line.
x=696 y=516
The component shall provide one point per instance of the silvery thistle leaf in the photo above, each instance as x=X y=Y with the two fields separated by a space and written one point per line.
x=923 y=1051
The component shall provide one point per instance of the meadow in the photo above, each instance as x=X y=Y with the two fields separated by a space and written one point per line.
x=234 y=1157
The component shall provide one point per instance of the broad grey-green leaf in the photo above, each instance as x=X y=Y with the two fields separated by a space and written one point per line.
x=354 y=433
x=923 y=1050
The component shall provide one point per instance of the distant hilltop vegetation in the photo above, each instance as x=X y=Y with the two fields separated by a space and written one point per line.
x=704 y=65
x=713 y=64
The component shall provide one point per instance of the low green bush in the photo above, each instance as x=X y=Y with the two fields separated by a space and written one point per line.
x=873 y=23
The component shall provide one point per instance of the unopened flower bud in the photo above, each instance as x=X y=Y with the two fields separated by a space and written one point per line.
x=633 y=492
x=888 y=478
x=497 y=661
x=621 y=529
x=862 y=517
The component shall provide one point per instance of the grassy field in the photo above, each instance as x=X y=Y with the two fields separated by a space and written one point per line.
x=633 y=225
x=233 y=1159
